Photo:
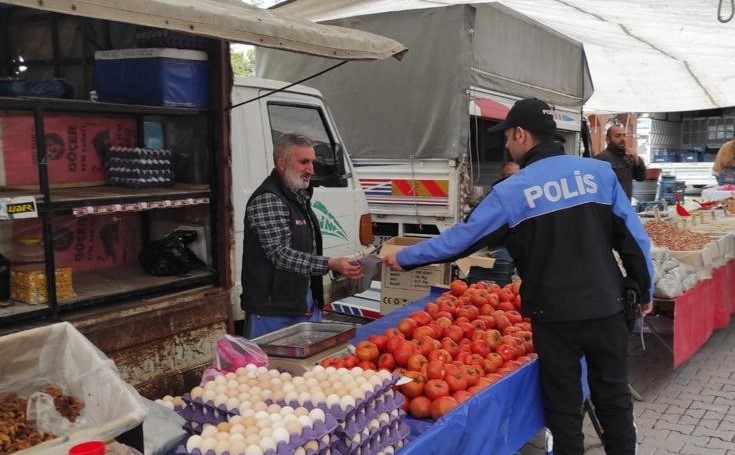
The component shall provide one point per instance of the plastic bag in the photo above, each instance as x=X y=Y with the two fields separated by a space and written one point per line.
x=170 y=255
x=233 y=352
x=162 y=429
x=41 y=411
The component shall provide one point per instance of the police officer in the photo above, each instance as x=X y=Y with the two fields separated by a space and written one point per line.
x=561 y=217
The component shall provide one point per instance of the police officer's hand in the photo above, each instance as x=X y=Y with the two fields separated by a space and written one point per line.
x=392 y=261
x=646 y=308
x=347 y=267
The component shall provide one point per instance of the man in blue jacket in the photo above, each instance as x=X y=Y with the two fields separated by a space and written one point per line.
x=561 y=217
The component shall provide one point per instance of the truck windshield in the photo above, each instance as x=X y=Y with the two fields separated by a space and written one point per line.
x=329 y=168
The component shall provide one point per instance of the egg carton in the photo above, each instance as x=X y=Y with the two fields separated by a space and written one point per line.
x=388 y=402
x=200 y=418
x=207 y=408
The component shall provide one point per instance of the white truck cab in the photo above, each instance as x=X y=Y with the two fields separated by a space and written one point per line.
x=338 y=202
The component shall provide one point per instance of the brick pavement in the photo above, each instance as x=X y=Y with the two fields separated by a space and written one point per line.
x=687 y=411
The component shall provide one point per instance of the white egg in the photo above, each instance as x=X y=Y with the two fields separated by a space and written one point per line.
x=291 y=397
x=221 y=436
x=254 y=449
x=232 y=404
x=259 y=406
x=278 y=395
x=265 y=432
x=281 y=435
x=209 y=431
x=230 y=376
x=244 y=408
x=255 y=391
x=194 y=442
x=222 y=447
x=318 y=397
x=304 y=397
x=166 y=404
x=357 y=371
x=305 y=421
x=299 y=451
x=251 y=367
x=209 y=385
x=285 y=376
x=266 y=394
x=290 y=418
x=373 y=425
x=237 y=437
x=312 y=444
x=197 y=392
x=220 y=380
x=207 y=444
x=332 y=400
x=268 y=443
x=294 y=427
x=244 y=397
x=394 y=413
x=237 y=429
x=261 y=415
x=220 y=399
x=288 y=387
x=252 y=439
x=347 y=402
x=273 y=408
x=209 y=395
x=317 y=415
x=232 y=383
x=273 y=373
x=383 y=417
x=240 y=371
x=274 y=418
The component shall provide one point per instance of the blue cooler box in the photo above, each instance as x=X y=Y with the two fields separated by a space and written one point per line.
x=153 y=76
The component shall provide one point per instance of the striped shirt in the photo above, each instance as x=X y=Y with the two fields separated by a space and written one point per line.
x=269 y=217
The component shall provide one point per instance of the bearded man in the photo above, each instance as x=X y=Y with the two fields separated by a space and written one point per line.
x=282 y=264
x=626 y=163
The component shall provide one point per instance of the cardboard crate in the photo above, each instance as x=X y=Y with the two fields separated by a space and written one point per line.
x=34 y=275
x=400 y=288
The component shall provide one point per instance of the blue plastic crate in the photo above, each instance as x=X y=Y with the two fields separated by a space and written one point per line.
x=153 y=76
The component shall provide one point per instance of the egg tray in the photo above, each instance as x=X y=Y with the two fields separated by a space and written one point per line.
x=347 y=437
x=389 y=436
x=208 y=408
x=283 y=448
x=362 y=416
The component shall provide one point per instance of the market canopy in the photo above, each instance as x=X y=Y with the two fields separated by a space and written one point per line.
x=644 y=56
x=231 y=20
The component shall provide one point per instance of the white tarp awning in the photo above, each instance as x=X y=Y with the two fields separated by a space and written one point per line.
x=644 y=56
x=231 y=20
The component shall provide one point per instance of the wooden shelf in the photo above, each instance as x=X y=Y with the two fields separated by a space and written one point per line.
x=126 y=281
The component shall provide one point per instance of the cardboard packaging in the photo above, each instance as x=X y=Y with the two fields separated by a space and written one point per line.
x=400 y=288
x=28 y=283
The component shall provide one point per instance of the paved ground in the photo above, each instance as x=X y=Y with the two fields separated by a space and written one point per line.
x=687 y=411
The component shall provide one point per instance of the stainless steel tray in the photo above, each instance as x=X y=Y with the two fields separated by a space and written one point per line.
x=305 y=339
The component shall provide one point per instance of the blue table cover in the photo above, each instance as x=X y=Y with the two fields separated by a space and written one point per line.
x=498 y=420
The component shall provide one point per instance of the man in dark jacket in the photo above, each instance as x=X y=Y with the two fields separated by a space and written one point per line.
x=561 y=217
x=282 y=263
x=625 y=162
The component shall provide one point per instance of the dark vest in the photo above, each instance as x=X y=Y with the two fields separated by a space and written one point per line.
x=270 y=291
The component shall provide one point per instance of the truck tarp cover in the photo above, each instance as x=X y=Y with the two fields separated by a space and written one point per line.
x=385 y=108
x=231 y=20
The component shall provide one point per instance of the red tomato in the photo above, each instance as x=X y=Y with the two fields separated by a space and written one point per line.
x=513 y=316
x=407 y=326
x=440 y=354
x=365 y=365
x=367 y=350
x=441 y=406
x=379 y=340
x=456 y=381
x=420 y=407
x=461 y=395
x=506 y=351
x=435 y=369
x=436 y=388
x=403 y=351
x=414 y=388
x=424 y=331
x=457 y=287
x=416 y=362
x=422 y=317
x=386 y=361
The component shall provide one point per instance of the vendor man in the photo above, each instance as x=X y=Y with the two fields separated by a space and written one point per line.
x=626 y=163
x=561 y=217
x=282 y=264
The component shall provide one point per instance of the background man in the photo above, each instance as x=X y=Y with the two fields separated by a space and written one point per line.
x=282 y=263
x=625 y=162
x=560 y=217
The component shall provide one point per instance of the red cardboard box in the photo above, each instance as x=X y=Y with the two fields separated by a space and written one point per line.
x=75 y=145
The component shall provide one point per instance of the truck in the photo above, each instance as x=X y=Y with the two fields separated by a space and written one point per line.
x=83 y=234
x=338 y=201
x=417 y=129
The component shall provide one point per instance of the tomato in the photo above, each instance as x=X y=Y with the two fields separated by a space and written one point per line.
x=516 y=342
x=444 y=321
x=456 y=381
x=481 y=347
x=514 y=316
x=496 y=360
x=422 y=317
x=386 y=361
x=426 y=344
x=501 y=321
x=415 y=387
x=511 y=329
x=365 y=365
x=505 y=305
x=379 y=340
x=351 y=361
x=478 y=300
x=441 y=406
x=488 y=319
x=403 y=351
x=524 y=359
x=450 y=346
x=367 y=350
x=440 y=354
x=524 y=325
x=478 y=324
x=431 y=308
x=438 y=330
x=493 y=299
x=470 y=312
x=393 y=343
x=454 y=332
x=407 y=326
x=405 y=402
x=424 y=331
x=461 y=395
x=512 y=364
x=467 y=329
x=436 y=388
x=493 y=337
x=420 y=407
x=457 y=287
x=435 y=369
x=416 y=362
x=473 y=373
x=392 y=332
x=506 y=351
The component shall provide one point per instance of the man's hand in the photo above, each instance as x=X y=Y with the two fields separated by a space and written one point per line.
x=646 y=308
x=633 y=155
x=347 y=267
x=391 y=261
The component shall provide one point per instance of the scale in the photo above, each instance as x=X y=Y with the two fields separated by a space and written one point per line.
x=297 y=348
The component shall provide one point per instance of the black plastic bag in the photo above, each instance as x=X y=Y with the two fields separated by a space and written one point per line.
x=170 y=255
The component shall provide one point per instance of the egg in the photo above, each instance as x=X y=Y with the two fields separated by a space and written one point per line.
x=266 y=394
x=343 y=371
x=244 y=397
x=305 y=421
x=383 y=417
x=220 y=399
x=237 y=447
x=268 y=443
x=290 y=418
x=299 y=451
x=194 y=442
x=394 y=413
x=261 y=415
x=254 y=449
x=232 y=404
x=244 y=408
x=197 y=392
x=222 y=447
x=281 y=435
x=207 y=444
x=291 y=397
x=222 y=436
x=333 y=400
x=179 y=402
x=285 y=376
x=237 y=429
x=251 y=367
x=265 y=432
x=318 y=397
x=317 y=415
x=301 y=411
x=240 y=371
x=209 y=431
x=237 y=437
x=312 y=444
x=259 y=406
x=249 y=421
x=373 y=425
x=209 y=395
x=278 y=395
x=304 y=397
x=232 y=383
x=252 y=439
x=219 y=380
x=294 y=427
x=209 y=385
x=346 y=402
x=253 y=431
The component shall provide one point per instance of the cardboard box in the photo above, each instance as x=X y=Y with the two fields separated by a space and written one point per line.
x=480 y=258
x=400 y=288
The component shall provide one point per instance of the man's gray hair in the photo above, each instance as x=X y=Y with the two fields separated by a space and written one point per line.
x=285 y=142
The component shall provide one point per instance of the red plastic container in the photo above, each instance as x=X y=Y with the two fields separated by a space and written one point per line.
x=88 y=448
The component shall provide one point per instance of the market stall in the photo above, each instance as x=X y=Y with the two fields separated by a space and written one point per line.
x=694 y=265
x=499 y=420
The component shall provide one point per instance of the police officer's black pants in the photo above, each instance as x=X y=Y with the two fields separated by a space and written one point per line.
x=603 y=342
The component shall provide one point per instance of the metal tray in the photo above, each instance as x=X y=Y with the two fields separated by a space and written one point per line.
x=305 y=339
